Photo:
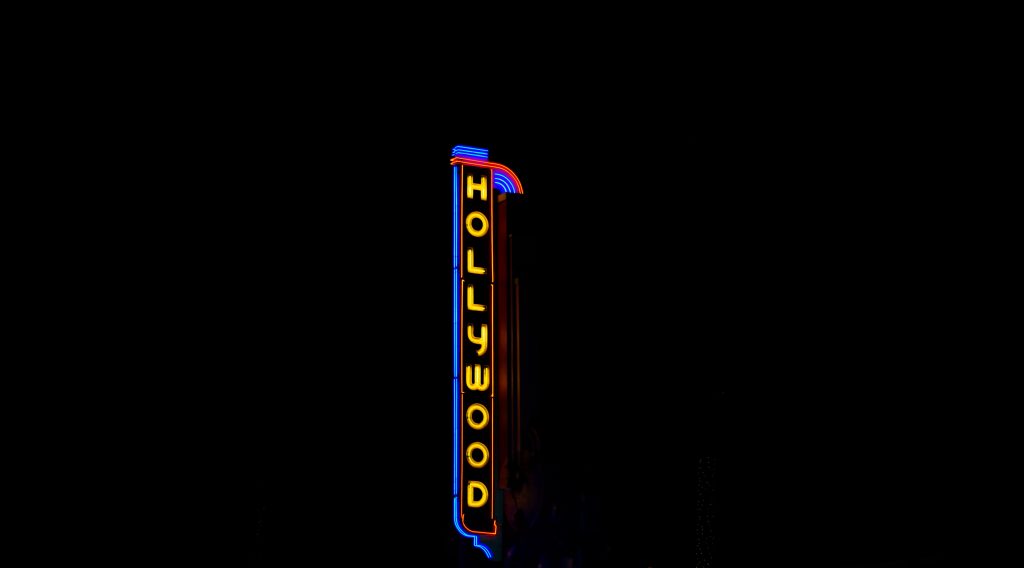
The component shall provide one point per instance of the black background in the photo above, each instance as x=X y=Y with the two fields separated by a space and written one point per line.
x=784 y=283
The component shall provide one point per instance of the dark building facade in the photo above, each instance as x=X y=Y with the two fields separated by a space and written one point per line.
x=705 y=536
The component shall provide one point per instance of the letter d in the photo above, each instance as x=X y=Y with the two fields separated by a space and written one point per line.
x=474 y=502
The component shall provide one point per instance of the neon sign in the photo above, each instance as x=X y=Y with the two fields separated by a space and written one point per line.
x=476 y=184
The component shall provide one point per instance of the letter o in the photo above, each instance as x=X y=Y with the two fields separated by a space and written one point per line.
x=469 y=224
x=469 y=455
x=469 y=416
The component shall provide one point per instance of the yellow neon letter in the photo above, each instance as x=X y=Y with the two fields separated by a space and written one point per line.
x=469 y=416
x=469 y=455
x=481 y=341
x=483 y=227
x=481 y=187
x=476 y=503
x=469 y=264
x=473 y=379
x=469 y=301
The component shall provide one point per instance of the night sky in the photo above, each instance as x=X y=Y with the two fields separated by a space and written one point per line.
x=764 y=290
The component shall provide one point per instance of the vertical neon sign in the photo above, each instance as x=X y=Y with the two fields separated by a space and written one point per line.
x=476 y=184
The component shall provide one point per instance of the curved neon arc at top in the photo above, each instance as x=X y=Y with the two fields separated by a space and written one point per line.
x=484 y=164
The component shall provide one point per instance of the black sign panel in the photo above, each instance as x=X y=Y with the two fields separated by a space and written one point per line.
x=476 y=392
